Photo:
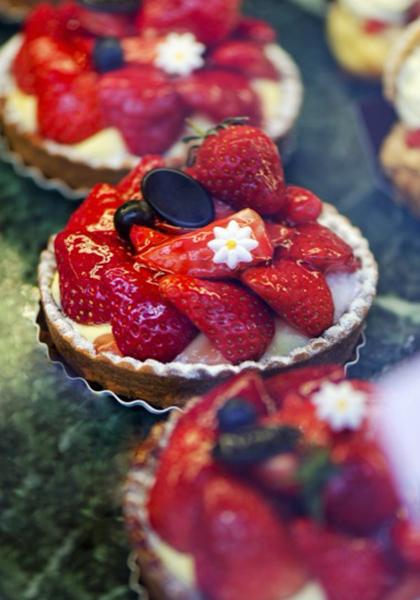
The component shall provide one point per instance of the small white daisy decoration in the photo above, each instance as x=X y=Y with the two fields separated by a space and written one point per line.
x=180 y=54
x=232 y=245
x=340 y=405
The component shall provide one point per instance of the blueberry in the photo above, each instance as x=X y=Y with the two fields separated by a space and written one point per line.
x=107 y=54
x=178 y=198
x=113 y=6
x=255 y=444
x=236 y=413
x=133 y=212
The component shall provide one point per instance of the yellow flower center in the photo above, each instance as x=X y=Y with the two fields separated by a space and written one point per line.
x=231 y=244
x=180 y=55
x=342 y=405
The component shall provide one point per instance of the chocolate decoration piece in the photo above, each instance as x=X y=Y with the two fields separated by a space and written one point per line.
x=112 y=6
x=178 y=198
x=133 y=212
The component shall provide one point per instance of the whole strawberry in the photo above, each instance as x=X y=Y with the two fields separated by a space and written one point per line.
x=241 y=165
x=209 y=21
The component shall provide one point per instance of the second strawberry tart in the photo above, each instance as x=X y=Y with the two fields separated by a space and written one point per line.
x=93 y=85
x=175 y=279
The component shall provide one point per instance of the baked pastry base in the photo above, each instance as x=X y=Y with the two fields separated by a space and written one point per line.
x=77 y=175
x=358 y=52
x=170 y=384
x=15 y=11
x=402 y=165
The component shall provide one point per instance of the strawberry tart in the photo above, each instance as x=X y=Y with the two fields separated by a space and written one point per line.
x=91 y=86
x=400 y=153
x=15 y=11
x=272 y=489
x=175 y=279
x=361 y=31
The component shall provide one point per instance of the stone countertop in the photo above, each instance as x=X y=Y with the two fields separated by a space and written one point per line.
x=63 y=451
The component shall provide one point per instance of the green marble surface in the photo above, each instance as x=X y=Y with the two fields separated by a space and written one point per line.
x=63 y=451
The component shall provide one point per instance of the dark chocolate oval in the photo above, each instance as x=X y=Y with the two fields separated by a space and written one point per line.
x=178 y=198
x=114 y=6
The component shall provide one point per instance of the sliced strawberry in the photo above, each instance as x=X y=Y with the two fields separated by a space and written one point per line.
x=255 y=30
x=362 y=496
x=129 y=187
x=320 y=248
x=219 y=94
x=190 y=254
x=235 y=320
x=141 y=50
x=302 y=297
x=186 y=462
x=82 y=261
x=242 y=549
x=279 y=233
x=245 y=57
x=143 y=238
x=96 y=213
x=299 y=413
x=69 y=116
x=412 y=138
x=210 y=22
x=304 y=381
x=375 y=26
x=141 y=102
x=143 y=323
x=303 y=206
x=241 y=166
x=347 y=568
x=408 y=588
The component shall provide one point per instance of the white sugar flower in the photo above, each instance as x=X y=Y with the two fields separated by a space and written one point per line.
x=232 y=245
x=340 y=405
x=180 y=54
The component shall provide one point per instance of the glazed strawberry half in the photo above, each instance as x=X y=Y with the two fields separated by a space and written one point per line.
x=150 y=258
x=264 y=505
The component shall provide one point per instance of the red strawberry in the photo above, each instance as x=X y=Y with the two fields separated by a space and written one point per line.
x=320 y=248
x=106 y=24
x=255 y=30
x=190 y=254
x=298 y=412
x=219 y=94
x=242 y=549
x=141 y=50
x=302 y=297
x=82 y=260
x=347 y=568
x=129 y=187
x=406 y=540
x=375 y=26
x=45 y=60
x=70 y=115
x=143 y=238
x=96 y=213
x=304 y=381
x=241 y=166
x=246 y=57
x=186 y=462
x=210 y=22
x=143 y=323
x=279 y=233
x=303 y=206
x=142 y=103
x=235 y=320
x=362 y=496
x=43 y=20
x=412 y=138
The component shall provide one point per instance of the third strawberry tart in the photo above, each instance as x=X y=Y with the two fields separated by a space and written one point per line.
x=175 y=279
x=91 y=86
x=273 y=490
